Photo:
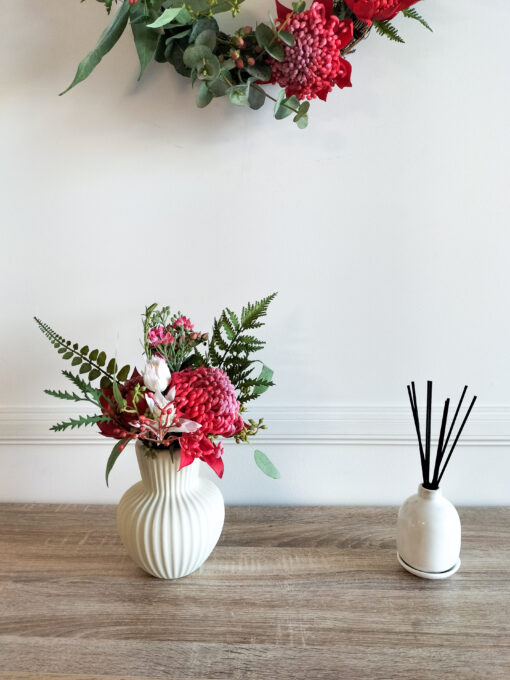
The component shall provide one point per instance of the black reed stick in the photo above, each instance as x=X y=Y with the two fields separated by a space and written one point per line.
x=427 y=432
x=415 y=398
x=440 y=444
x=453 y=421
x=425 y=453
x=456 y=440
x=416 y=418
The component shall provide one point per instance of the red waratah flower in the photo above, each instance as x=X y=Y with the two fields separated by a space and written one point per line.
x=313 y=65
x=206 y=396
x=184 y=322
x=120 y=426
x=378 y=10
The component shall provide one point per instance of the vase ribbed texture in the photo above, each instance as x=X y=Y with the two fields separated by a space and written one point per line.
x=170 y=521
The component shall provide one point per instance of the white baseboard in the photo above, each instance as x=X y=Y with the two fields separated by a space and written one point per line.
x=318 y=425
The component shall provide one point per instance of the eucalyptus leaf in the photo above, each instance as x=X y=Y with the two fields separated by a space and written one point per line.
x=261 y=72
x=195 y=54
x=204 y=96
x=276 y=50
x=176 y=58
x=256 y=98
x=264 y=35
x=281 y=109
x=201 y=25
x=207 y=38
x=228 y=65
x=301 y=122
x=287 y=38
x=218 y=87
x=107 y=40
x=265 y=374
x=265 y=465
x=238 y=94
x=169 y=15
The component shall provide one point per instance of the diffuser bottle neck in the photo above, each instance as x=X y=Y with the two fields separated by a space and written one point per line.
x=428 y=494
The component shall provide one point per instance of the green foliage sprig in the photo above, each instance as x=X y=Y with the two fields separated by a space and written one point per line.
x=79 y=422
x=93 y=363
x=388 y=30
x=411 y=13
x=231 y=348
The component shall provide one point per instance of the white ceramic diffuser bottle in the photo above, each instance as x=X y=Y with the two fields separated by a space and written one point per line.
x=171 y=520
x=429 y=535
x=428 y=525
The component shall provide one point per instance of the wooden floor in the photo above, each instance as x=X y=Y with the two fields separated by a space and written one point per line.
x=289 y=593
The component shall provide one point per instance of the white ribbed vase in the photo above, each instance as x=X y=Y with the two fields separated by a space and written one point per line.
x=170 y=521
x=429 y=535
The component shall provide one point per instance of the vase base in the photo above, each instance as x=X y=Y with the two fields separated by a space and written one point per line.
x=433 y=575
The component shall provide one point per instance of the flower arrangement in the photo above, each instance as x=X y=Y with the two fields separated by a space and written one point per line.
x=193 y=388
x=302 y=50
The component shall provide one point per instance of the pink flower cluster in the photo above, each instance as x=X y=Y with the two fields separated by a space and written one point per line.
x=313 y=65
x=184 y=322
x=160 y=336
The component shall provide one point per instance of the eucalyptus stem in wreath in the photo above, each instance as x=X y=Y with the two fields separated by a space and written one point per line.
x=302 y=50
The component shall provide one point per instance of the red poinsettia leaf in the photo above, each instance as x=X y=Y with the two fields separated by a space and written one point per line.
x=215 y=464
x=328 y=6
x=343 y=78
x=186 y=459
x=282 y=11
x=346 y=32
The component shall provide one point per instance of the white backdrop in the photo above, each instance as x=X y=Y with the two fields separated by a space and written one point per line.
x=384 y=227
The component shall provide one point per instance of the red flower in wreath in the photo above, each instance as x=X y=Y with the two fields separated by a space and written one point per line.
x=313 y=65
x=378 y=10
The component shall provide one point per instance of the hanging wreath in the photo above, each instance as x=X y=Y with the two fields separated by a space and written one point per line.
x=302 y=50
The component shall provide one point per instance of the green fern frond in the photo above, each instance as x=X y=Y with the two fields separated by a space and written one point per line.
x=388 y=30
x=85 y=388
x=411 y=13
x=231 y=348
x=91 y=363
x=69 y=396
x=81 y=421
x=254 y=311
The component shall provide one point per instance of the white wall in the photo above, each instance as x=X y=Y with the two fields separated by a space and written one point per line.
x=384 y=226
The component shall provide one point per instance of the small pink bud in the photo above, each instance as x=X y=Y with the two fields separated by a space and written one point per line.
x=240 y=63
x=240 y=42
x=234 y=54
x=250 y=61
x=247 y=30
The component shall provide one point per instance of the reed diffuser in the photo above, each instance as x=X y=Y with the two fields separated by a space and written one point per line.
x=428 y=527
